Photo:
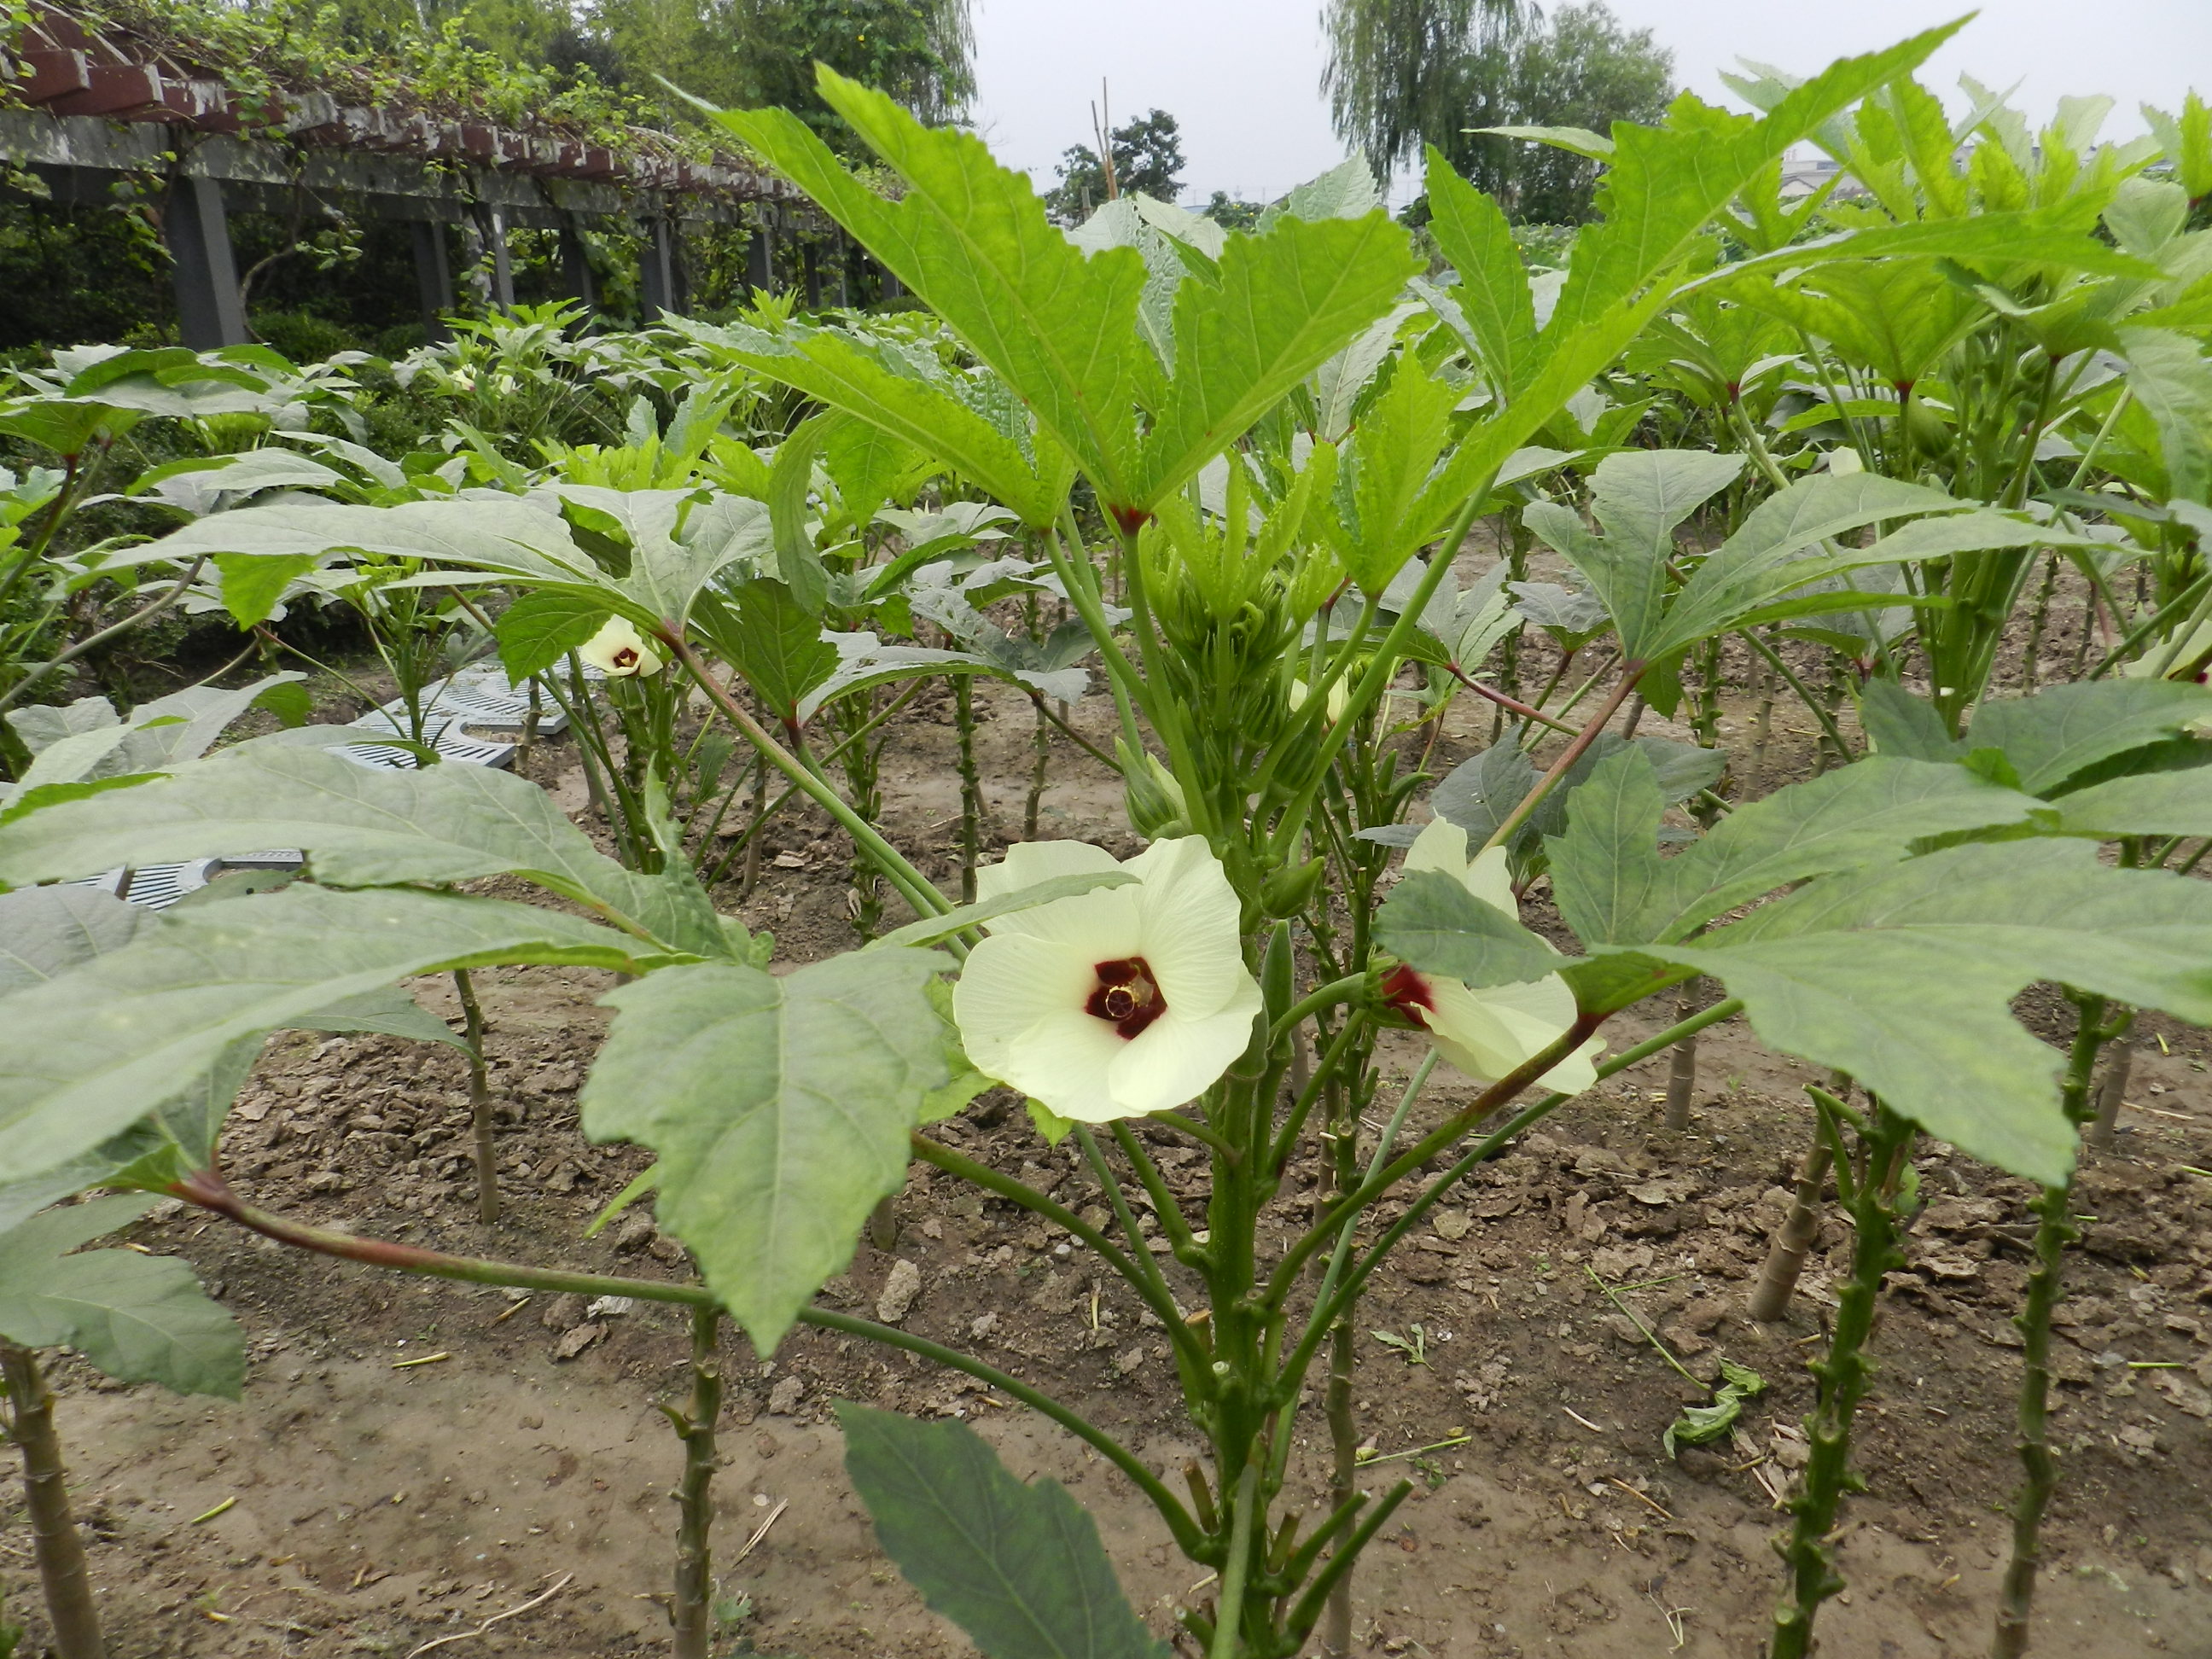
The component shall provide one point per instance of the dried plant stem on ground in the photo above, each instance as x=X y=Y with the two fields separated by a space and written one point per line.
x=2119 y=1062
x=1682 y=1071
x=1793 y=1240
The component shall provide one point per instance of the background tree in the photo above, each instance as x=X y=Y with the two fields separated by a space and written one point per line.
x=1147 y=161
x=920 y=51
x=1232 y=212
x=1580 y=68
x=1405 y=73
x=1396 y=70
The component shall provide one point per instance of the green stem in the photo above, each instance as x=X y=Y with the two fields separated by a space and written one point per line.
x=55 y=1540
x=971 y=784
x=2054 y=1231
x=1844 y=1379
x=1488 y=1147
x=1076 y=574
x=916 y=888
x=692 y=1610
x=1630 y=672
x=1145 y=1280
x=1307 y=1610
x=480 y=1118
x=1804 y=692
x=1228 y=1624
x=1326 y=996
x=210 y=1192
x=145 y=613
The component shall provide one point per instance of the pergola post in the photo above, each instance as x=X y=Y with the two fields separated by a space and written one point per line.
x=433 y=275
x=659 y=284
x=209 y=311
x=760 y=253
x=576 y=264
x=491 y=233
x=810 y=259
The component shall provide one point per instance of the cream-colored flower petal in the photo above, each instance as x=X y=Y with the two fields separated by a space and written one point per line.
x=1489 y=880
x=1491 y=1033
x=1030 y=862
x=1189 y=915
x=1474 y=1039
x=1441 y=847
x=1067 y=1061
x=1102 y=926
x=619 y=651
x=1008 y=985
x=1175 y=1060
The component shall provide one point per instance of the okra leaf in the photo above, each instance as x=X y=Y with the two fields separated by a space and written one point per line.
x=779 y=1107
x=1433 y=922
x=139 y=1318
x=1868 y=813
x=1606 y=870
x=82 y=1055
x=360 y=827
x=1902 y=977
x=2064 y=730
x=1018 y=1567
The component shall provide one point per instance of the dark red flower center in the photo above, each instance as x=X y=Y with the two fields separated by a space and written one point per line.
x=1127 y=997
x=1408 y=992
x=626 y=656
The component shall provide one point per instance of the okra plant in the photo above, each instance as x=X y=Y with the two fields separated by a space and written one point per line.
x=1247 y=471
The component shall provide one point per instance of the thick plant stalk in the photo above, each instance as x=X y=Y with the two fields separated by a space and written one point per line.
x=480 y=1121
x=2119 y=1061
x=1344 y=1444
x=1844 y=1377
x=883 y=1222
x=1762 y=724
x=1793 y=1241
x=971 y=786
x=752 y=876
x=1039 y=769
x=692 y=1611
x=2032 y=659
x=62 y=1572
x=1682 y=1073
x=2054 y=1231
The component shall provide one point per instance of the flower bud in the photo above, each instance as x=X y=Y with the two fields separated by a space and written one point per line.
x=1289 y=890
x=1151 y=795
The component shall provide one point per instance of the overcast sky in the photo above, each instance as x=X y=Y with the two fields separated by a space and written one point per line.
x=1243 y=76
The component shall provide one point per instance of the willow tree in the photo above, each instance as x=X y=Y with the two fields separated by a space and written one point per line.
x=1397 y=70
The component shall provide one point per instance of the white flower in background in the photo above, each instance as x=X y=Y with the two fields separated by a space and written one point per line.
x=619 y=651
x=2175 y=659
x=1339 y=693
x=1494 y=1032
x=1116 y=1002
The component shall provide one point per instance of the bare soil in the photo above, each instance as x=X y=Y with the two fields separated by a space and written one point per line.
x=413 y=1458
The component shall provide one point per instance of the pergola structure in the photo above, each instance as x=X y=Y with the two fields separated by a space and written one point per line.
x=96 y=111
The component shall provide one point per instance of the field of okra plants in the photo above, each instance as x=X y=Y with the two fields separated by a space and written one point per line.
x=1237 y=944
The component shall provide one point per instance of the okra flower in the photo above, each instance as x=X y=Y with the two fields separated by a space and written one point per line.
x=619 y=651
x=1116 y=1002
x=1494 y=1032
x=1340 y=694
